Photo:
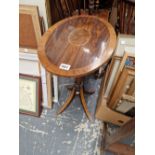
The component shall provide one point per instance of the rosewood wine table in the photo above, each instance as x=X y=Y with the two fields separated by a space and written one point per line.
x=76 y=47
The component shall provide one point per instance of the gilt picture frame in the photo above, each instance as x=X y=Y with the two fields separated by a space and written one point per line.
x=29 y=95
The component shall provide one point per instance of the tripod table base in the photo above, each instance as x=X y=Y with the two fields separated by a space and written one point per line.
x=77 y=89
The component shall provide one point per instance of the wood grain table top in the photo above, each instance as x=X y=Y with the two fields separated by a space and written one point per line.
x=83 y=43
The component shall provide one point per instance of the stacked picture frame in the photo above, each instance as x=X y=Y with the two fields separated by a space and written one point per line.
x=116 y=99
x=31 y=28
x=125 y=44
x=124 y=85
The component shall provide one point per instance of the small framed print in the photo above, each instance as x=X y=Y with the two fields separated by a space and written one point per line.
x=29 y=94
x=130 y=62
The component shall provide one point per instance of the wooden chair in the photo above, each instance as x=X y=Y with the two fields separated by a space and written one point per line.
x=112 y=143
x=64 y=8
x=126 y=12
x=67 y=8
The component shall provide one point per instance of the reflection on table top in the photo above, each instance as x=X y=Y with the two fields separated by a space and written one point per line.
x=80 y=43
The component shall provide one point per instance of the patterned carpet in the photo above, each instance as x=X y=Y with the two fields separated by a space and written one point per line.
x=70 y=133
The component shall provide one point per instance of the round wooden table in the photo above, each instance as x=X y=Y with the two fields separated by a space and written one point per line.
x=76 y=47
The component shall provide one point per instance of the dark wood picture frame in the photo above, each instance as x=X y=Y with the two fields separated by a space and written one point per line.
x=30 y=94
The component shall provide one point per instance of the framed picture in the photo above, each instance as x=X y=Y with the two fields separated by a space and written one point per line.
x=125 y=42
x=116 y=68
x=130 y=62
x=29 y=94
x=120 y=92
x=112 y=71
x=29 y=27
x=29 y=64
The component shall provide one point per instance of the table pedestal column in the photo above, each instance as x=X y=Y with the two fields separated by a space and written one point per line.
x=76 y=89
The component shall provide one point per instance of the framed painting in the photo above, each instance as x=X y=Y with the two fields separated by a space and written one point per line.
x=29 y=95
x=120 y=94
x=29 y=27
x=116 y=68
x=125 y=42
x=125 y=48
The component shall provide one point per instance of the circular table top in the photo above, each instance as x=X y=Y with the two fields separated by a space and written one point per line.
x=77 y=46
